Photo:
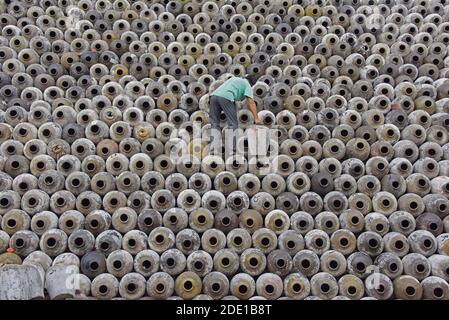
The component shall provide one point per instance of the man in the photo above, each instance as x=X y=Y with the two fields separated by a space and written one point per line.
x=223 y=99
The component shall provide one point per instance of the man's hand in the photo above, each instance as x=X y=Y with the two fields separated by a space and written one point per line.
x=253 y=108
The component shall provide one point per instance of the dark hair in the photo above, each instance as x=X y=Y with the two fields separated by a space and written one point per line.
x=251 y=79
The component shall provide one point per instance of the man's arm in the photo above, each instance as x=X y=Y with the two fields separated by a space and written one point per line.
x=253 y=108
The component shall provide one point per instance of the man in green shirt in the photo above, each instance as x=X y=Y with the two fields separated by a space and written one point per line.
x=223 y=99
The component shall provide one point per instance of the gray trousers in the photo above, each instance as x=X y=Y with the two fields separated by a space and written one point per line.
x=217 y=105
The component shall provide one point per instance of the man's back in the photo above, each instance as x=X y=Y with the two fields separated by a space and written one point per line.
x=234 y=89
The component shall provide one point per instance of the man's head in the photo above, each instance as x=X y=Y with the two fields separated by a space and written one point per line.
x=251 y=79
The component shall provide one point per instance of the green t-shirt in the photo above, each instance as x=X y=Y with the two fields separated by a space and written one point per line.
x=234 y=89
